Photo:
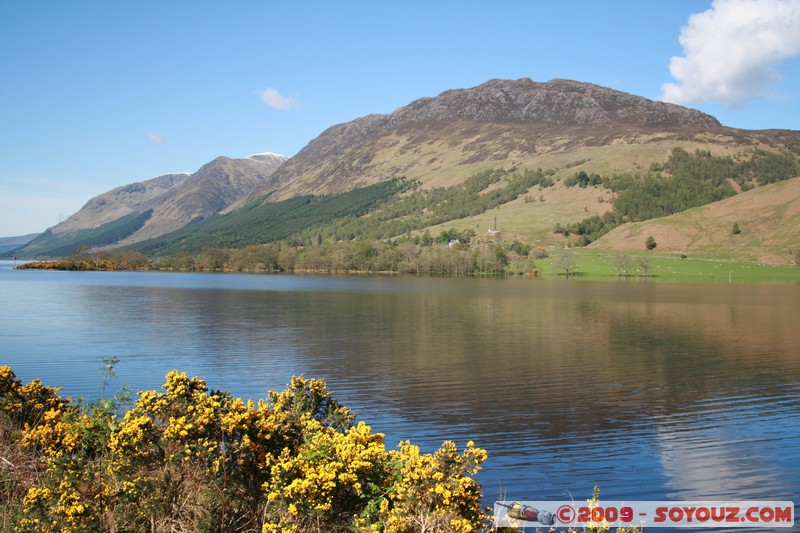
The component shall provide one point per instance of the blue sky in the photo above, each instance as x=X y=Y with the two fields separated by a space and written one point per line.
x=97 y=94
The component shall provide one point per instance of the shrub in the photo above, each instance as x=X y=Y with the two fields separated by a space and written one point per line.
x=190 y=459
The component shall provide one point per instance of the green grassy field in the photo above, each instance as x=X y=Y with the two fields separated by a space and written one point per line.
x=598 y=265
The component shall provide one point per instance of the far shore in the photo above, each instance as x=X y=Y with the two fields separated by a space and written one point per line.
x=594 y=265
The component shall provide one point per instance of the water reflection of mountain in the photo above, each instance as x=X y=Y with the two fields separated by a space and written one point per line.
x=554 y=359
x=570 y=359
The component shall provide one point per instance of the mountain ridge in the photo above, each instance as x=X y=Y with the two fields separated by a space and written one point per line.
x=171 y=201
x=558 y=127
x=495 y=122
x=558 y=102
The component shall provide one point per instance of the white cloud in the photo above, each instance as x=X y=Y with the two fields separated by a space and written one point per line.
x=155 y=137
x=733 y=50
x=276 y=100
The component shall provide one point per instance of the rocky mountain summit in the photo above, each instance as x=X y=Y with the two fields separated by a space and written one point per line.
x=554 y=103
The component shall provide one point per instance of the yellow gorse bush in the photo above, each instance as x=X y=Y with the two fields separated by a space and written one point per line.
x=435 y=491
x=187 y=459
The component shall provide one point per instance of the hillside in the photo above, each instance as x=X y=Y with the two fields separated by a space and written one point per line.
x=10 y=243
x=444 y=139
x=560 y=126
x=143 y=210
x=768 y=218
x=499 y=154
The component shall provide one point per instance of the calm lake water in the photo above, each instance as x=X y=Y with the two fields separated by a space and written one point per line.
x=654 y=391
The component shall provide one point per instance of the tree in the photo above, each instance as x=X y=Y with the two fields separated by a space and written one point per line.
x=565 y=260
x=316 y=258
x=287 y=257
x=388 y=258
x=363 y=253
x=520 y=248
x=410 y=257
x=129 y=259
x=213 y=259
x=489 y=260
x=644 y=263
x=178 y=261
x=650 y=243
x=736 y=230
x=622 y=263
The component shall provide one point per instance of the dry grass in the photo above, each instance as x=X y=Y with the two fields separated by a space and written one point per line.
x=768 y=216
x=18 y=472
x=444 y=155
x=534 y=220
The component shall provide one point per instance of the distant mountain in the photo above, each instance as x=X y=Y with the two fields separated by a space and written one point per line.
x=19 y=240
x=10 y=243
x=147 y=209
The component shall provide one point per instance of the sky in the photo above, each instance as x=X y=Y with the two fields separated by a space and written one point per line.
x=99 y=94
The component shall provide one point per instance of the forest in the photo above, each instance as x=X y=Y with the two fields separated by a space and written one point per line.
x=376 y=212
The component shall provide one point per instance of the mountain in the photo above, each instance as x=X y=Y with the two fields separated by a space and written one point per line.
x=150 y=208
x=443 y=139
x=10 y=243
x=505 y=153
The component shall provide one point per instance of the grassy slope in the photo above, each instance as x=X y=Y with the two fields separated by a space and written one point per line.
x=60 y=245
x=596 y=264
x=443 y=158
x=768 y=217
x=534 y=221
